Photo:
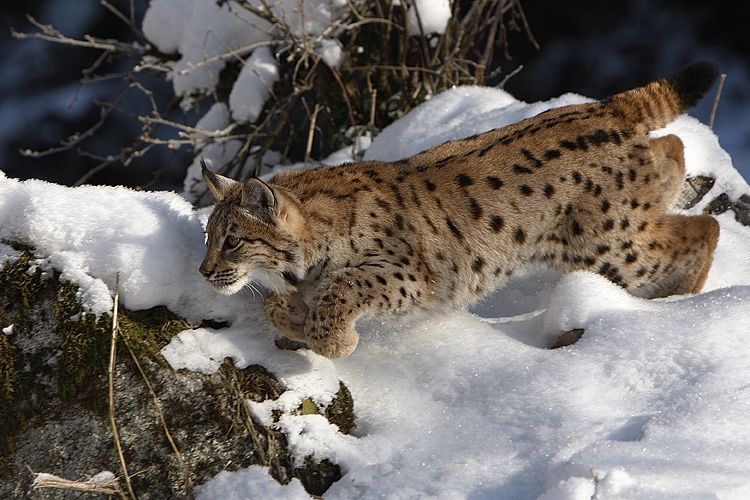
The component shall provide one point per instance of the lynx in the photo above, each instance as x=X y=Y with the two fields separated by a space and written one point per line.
x=577 y=187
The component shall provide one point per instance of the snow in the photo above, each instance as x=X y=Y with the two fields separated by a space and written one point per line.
x=254 y=85
x=428 y=16
x=463 y=112
x=93 y=233
x=331 y=52
x=207 y=37
x=216 y=119
x=652 y=403
x=253 y=482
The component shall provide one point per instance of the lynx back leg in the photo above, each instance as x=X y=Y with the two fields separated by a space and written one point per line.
x=669 y=161
x=680 y=252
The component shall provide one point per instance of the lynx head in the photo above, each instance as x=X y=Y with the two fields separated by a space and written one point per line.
x=250 y=236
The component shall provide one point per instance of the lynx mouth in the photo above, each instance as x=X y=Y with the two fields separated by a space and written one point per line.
x=231 y=288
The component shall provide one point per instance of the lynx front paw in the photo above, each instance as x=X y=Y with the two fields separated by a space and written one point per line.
x=330 y=336
x=287 y=313
x=337 y=344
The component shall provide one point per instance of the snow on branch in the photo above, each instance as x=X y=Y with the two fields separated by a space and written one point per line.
x=270 y=81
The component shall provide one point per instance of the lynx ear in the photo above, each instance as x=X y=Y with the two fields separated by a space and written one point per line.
x=219 y=185
x=259 y=198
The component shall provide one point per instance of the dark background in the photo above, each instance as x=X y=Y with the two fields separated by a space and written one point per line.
x=588 y=47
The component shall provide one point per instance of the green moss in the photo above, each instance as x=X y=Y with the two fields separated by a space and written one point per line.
x=8 y=384
x=254 y=382
x=69 y=366
x=86 y=341
x=18 y=287
x=38 y=303
x=317 y=477
x=202 y=466
x=84 y=336
x=341 y=410
x=148 y=331
x=308 y=407
x=8 y=374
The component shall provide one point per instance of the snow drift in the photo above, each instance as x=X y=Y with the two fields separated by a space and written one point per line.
x=651 y=403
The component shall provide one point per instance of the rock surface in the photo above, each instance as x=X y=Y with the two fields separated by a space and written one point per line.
x=54 y=409
x=695 y=189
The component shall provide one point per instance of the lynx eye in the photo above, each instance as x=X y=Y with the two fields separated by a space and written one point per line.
x=231 y=242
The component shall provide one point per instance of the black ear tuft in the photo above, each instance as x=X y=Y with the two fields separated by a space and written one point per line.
x=258 y=197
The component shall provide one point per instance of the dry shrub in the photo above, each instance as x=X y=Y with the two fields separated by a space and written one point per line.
x=315 y=108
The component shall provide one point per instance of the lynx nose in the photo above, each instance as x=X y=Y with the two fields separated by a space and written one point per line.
x=205 y=271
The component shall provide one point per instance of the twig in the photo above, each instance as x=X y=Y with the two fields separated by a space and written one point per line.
x=311 y=133
x=233 y=383
x=509 y=76
x=394 y=68
x=50 y=34
x=373 y=101
x=108 y=487
x=111 y=375
x=129 y=21
x=406 y=68
x=74 y=139
x=526 y=27
x=716 y=100
x=183 y=466
x=211 y=134
x=105 y=109
x=85 y=177
x=124 y=157
x=489 y=48
x=422 y=39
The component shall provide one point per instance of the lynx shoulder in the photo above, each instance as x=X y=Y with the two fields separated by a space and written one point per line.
x=578 y=187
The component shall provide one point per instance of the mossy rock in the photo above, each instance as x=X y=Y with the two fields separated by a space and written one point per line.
x=54 y=393
x=340 y=411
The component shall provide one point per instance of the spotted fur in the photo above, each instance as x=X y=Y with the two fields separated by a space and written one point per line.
x=578 y=187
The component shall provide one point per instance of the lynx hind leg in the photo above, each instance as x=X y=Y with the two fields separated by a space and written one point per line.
x=681 y=253
x=287 y=312
x=669 y=162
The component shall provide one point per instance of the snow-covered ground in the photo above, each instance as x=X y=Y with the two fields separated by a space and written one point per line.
x=652 y=403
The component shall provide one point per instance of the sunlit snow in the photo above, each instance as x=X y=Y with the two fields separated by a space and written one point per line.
x=652 y=403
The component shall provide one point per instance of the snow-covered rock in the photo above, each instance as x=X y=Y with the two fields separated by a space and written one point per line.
x=651 y=403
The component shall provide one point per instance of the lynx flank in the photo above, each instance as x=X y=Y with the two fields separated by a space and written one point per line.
x=578 y=187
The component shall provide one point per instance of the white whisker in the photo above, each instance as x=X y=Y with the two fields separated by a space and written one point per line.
x=256 y=288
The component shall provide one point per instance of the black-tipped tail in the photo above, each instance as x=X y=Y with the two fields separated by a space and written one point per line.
x=693 y=81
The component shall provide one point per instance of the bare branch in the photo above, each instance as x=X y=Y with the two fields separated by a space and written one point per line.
x=716 y=101
x=386 y=72
x=311 y=133
x=129 y=21
x=108 y=487
x=50 y=34
x=111 y=377
x=183 y=466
